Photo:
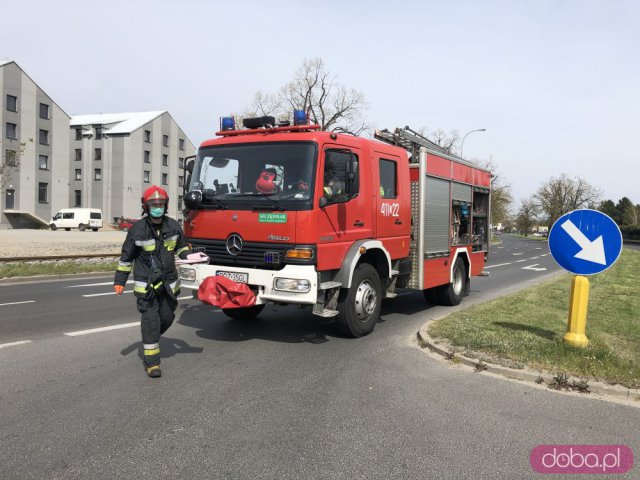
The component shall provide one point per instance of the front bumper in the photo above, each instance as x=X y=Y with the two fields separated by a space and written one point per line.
x=261 y=281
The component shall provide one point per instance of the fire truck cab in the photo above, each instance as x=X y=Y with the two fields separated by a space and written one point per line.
x=334 y=221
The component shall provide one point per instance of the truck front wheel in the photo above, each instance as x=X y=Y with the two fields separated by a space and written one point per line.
x=359 y=306
x=243 y=313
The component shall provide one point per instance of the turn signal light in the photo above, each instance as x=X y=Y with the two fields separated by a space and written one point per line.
x=300 y=254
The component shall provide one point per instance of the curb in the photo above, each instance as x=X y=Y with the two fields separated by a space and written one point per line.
x=51 y=278
x=425 y=341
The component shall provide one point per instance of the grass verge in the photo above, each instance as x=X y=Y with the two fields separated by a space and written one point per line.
x=526 y=328
x=25 y=269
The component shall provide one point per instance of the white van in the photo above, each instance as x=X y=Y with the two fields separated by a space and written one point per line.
x=80 y=218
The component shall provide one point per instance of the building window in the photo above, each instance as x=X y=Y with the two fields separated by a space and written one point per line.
x=44 y=137
x=147 y=136
x=44 y=111
x=12 y=103
x=78 y=174
x=78 y=202
x=11 y=158
x=165 y=140
x=147 y=156
x=12 y=130
x=78 y=133
x=42 y=192
x=78 y=154
x=179 y=202
x=165 y=178
x=98 y=133
x=97 y=154
x=44 y=162
x=180 y=180
x=180 y=162
x=181 y=144
x=147 y=176
x=97 y=174
x=165 y=160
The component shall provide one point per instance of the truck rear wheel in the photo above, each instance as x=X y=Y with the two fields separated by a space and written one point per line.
x=82 y=227
x=243 y=313
x=359 y=306
x=452 y=293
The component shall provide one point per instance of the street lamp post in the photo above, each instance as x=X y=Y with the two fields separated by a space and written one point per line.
x=467 y=134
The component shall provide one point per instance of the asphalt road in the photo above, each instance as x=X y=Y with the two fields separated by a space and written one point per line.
x=282 y=397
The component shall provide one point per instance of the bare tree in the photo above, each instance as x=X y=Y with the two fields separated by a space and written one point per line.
x=10 y=161
x=562 y=194
x=316 y=91
x=447 y=141
x=527 y=216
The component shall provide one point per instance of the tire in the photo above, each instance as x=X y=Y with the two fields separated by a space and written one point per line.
x=359 y=306
x=53 y=227
x=431 y=295
x=243 y=313
x=82 y=227
x=94 y=229
x=452 y=293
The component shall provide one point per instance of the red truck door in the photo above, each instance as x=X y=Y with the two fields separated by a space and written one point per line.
x=392 y=209
x=343 y=220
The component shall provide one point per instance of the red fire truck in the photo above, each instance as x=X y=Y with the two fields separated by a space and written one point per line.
x=334 y=221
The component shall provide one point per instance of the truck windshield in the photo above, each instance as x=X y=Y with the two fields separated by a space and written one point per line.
x=256 y=175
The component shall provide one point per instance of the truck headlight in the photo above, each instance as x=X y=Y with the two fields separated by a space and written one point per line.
x=292 y=285
x=188 y=274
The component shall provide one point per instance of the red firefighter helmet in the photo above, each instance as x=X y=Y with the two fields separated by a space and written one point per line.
x=267 y=181
x=154 y=192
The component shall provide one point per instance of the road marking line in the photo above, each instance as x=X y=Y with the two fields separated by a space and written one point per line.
x=17 y=303
x=533 y=267
x=545 y=254
x=95 y=284
x=523 y=260
x=185 y=298
x=103 y=294
x=21 y=342
x=538 y=248
x=102 y=329
x=534 y=258
x=519 y=253
x=499 y=265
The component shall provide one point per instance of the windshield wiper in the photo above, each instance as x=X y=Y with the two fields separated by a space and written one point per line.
x=274 y=203
x=207 y=197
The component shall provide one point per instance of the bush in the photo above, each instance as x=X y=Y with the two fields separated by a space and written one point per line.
x=630 y=231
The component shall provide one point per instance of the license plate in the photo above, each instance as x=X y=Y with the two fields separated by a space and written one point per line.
x=235 y=276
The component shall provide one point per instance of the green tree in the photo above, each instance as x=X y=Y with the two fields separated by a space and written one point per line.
x=527 y=216
x=627 y=212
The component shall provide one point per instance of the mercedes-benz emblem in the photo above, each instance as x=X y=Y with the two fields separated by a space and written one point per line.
x=234 y=244
x=234 y=218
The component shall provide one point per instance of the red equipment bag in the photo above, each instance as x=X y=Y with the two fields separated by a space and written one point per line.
x=221 y=292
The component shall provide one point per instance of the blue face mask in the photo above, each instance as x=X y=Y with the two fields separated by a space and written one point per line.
x=156 y=212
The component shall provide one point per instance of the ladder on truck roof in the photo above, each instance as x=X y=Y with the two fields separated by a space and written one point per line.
x=408 y=139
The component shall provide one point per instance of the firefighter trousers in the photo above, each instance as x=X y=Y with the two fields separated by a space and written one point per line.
x=157 y=311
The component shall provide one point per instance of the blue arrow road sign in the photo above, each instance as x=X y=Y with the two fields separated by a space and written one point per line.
x=585 y=242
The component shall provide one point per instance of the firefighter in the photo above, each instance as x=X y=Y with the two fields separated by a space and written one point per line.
x=149 y=250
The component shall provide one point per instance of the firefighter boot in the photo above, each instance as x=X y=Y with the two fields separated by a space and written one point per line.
x=154 y=371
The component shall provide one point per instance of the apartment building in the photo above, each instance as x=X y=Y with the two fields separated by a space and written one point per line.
x=50 y=160
x=34 y=145
x=115 y=157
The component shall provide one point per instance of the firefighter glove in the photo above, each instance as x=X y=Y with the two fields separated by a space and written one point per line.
x=118 y=289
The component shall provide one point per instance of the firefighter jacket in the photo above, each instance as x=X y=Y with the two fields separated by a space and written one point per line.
x=149 y=251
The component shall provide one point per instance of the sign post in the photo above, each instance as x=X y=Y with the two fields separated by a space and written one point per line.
x=584 y=242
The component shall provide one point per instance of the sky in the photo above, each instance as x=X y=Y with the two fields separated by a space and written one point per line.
x=556 y=84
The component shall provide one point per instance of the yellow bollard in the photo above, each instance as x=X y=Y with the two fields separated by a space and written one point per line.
x=575 y=335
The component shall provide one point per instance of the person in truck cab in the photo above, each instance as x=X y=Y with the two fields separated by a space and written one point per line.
x=149 y=251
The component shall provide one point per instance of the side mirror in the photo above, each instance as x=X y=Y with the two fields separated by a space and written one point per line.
x=193 y=199
x=188 y=166
x=323 y=202
x=350 y=176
